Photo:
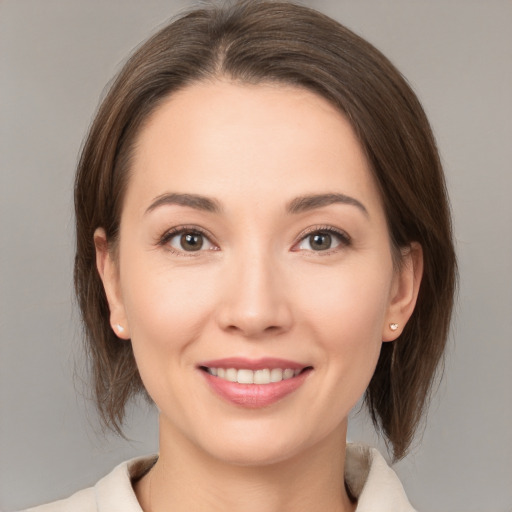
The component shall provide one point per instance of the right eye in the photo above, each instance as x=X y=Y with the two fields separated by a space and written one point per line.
x=188 y=240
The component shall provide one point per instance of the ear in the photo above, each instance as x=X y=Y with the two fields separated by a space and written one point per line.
x=109 y=275
x=404 y=292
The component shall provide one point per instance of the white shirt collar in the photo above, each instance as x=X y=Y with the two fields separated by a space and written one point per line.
x=375 y=485
x=369 y=478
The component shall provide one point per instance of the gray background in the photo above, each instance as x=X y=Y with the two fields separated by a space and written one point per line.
x=55 y=58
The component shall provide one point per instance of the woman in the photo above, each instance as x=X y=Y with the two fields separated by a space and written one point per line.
x=263 y=236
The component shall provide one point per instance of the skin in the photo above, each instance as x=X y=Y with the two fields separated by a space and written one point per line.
x=257 y=288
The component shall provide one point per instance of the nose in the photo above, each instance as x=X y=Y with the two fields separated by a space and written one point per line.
x=255 y=301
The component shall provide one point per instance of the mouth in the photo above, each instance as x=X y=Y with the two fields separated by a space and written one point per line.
x=248 y=376
x=254 y=383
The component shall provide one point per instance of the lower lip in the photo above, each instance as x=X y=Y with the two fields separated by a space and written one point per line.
x=254 y=396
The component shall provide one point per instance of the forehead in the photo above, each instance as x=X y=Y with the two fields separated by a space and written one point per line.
x=259 y=142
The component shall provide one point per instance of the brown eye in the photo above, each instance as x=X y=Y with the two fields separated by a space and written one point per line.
x=320 y=241
x=323 y=240
x=188 y=241
x=191 y=241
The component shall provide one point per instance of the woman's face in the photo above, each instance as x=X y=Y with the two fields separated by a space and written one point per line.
x=253 y=247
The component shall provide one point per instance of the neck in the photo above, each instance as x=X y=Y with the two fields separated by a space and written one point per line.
x=185 y=478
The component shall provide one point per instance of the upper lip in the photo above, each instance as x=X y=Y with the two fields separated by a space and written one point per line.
x=253 y=364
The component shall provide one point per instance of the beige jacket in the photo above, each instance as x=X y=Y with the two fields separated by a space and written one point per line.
x=369 y=478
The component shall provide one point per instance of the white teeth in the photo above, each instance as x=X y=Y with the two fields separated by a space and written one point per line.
x=245 y=376
x=262 y=376
x=287 y=374
x=231 y=374
x=276 y=375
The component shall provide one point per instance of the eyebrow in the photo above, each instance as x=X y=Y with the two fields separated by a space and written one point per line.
x=298 y=205
x=195 y=201
x=311 y=202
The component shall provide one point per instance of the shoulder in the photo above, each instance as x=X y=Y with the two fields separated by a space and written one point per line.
x=375 y=485
x=113 y=492
x=82 y=501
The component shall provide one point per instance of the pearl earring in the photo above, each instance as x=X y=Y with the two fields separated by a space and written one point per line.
x=120 y=328
x=393 y=327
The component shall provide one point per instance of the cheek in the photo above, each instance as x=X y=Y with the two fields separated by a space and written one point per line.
x=352 y=300
x=167 y=307
x=346 y=311
x=167 y=313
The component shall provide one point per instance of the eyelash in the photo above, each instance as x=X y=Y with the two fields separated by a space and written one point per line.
x=342 y=236
x=180 y=230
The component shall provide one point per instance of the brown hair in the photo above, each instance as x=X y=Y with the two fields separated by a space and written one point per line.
x=266 y=41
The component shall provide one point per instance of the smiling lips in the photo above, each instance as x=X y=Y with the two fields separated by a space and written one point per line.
x=246 y=376
x=254 y=384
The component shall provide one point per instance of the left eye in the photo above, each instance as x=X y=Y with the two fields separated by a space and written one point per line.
x=321 y=241
x=190 y=241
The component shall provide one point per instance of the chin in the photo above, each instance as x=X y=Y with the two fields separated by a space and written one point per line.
x=264 y=442
x=255 y=454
